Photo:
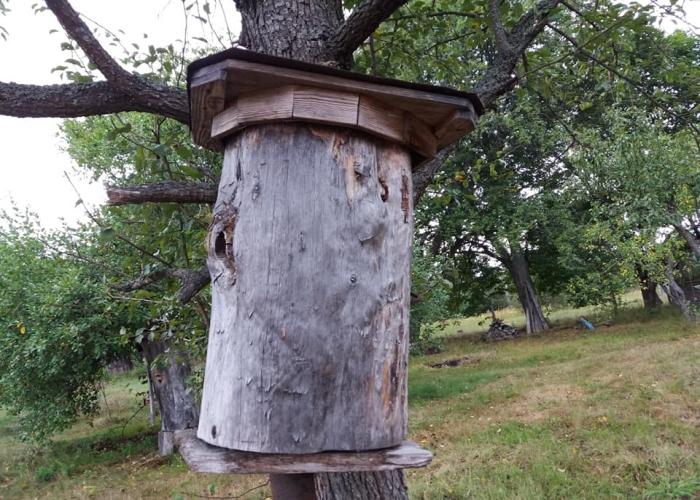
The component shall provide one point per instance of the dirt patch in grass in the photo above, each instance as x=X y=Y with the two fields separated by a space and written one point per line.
x=541 y=402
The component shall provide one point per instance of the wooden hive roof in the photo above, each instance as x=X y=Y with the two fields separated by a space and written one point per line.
x=236 y=88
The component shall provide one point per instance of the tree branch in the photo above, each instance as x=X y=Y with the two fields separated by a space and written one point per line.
x=499 y=32
x=499 y=77
x=424 y=173
x=359 y=25
x=86 y=99
x=79 y=32
x=192 y=281
x=123 y=91
x=162 y=192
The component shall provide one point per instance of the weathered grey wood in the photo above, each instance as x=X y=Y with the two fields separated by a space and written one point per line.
x=166 y=443
x=203 y=457
x=178 y=408
x=309 y=255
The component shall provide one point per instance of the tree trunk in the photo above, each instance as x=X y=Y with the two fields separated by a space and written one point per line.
x=676 y=295
x=693 y=243
x=361 y=486
x=651 y=299
x=296 y=29
x=178 y=408
x=519 y=269
x=309 y=255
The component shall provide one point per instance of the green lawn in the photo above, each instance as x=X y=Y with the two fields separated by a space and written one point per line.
x=569 y=414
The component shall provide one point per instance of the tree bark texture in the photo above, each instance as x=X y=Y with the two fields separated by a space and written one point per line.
x=676 y=295
x=689 y=237
x=178 y=408
x=296 y=29
x=648 y=286
x=361 y=486
x=519 y=270
x=309 y=255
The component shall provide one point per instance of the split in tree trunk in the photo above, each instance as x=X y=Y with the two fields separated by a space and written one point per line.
x=519 y=269
x=676 y=295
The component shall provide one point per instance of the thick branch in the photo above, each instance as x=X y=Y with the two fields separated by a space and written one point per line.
x=79 y=32
x=162 y=192
x=192 y=281
x=499 y=31
x=500 y=76
x=123 y=91
x=359 y=25
x=423 y=175
x=86 y=99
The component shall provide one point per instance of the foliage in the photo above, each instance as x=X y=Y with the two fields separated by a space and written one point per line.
x=429 y=310
x=58 y=329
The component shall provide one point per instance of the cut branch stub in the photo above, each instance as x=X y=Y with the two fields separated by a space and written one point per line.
x=309 y=250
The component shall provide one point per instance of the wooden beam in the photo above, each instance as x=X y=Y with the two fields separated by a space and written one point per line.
x=203 y=457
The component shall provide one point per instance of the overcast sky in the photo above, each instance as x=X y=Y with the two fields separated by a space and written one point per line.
x=31 y=160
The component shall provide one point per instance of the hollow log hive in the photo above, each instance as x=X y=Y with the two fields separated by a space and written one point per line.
x=309 y=249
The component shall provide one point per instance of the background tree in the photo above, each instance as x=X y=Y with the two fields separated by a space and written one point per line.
x=493 y=47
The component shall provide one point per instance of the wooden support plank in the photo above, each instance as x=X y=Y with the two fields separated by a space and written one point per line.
x=254 y=107
x=207 y=99
x=380 y=119
x=325 y=106
x=460 y=123
x=420 y=137
x=203 y=457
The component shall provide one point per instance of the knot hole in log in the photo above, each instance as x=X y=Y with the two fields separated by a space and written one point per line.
x=221 y=239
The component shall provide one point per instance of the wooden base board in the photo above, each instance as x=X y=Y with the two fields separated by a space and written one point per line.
x=203 y=457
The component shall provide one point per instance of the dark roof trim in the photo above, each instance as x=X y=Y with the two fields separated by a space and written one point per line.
x=252 y=56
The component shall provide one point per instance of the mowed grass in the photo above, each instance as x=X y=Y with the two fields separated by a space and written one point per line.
x=613 y=413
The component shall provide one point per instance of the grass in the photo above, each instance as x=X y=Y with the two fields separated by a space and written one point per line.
x=612 y=413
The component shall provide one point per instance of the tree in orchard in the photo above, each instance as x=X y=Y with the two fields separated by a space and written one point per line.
x=58 y=326
x=643 y=181
x=501 y=35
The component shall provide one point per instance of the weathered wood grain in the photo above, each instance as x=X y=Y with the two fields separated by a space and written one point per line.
x=381 y=120
x=326 y=106
x=207 y=99
x=316 y=105
x=254 y=107
x=309 y=255
x=203 y=457
x=460 y=123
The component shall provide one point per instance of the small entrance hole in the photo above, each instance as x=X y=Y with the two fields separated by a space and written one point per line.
x=220 y=245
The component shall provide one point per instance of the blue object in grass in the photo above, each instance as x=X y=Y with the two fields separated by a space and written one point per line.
x=586 y=324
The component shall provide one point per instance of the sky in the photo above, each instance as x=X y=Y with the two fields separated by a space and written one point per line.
x=32 y=162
